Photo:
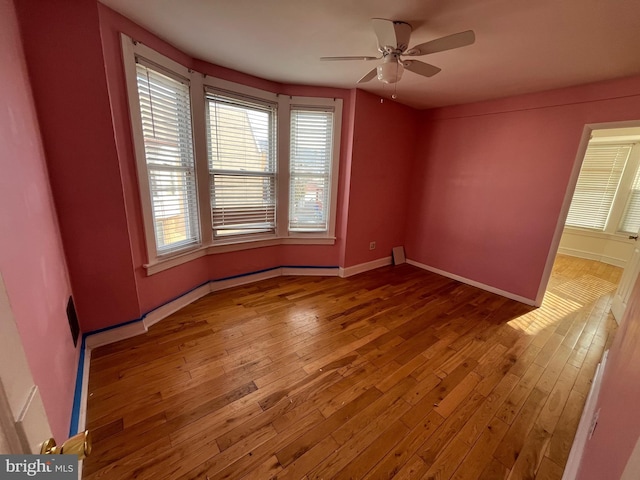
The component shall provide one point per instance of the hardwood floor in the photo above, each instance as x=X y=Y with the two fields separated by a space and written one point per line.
x=395 y=373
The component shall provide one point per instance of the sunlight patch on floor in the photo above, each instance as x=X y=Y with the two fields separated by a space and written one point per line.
x=585 y=289
x=561 y=300
x=554 y=308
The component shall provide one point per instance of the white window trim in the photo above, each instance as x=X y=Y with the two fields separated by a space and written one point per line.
x=209 y=245
x=626 y=184
x=259 y=95
x=614 y=221
x=130 y=50
x=336 y=106
x=618 y=236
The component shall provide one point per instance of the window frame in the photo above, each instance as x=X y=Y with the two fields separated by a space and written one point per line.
x=300 y=103
x=174 y=70
x=259 y=96
x=612 y=228
x=633 y=164
x=199 y=82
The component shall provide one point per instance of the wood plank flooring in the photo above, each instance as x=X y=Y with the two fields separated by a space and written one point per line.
x=394 y=373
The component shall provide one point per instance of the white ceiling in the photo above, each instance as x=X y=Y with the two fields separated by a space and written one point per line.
x=521 y=45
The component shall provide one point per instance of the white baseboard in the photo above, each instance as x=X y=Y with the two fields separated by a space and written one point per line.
x=310 y=272
x=115 y=334
x=82 y=416
x=473 y=283
x=217 y=285
x=365 y=267
x=574 y=252
x=162 y=312
x=585 y=425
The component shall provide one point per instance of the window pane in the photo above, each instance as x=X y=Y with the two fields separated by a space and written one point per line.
x=166 y=125
x=243 y=204
x=597 y=185
x=631 y=218
x=242 y=163
x=310 y=169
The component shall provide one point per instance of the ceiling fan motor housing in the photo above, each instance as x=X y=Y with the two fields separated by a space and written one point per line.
x=391 y=68
x=393 y=41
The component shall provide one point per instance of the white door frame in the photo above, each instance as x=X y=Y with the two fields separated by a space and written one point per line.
x=625 y=287
x=23 y=421
x=568 y=196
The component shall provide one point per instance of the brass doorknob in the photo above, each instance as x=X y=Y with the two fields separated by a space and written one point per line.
x=79 y=445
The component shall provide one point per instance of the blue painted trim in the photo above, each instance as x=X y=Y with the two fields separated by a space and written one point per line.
x=240 y=275
x=144 y=315
x=106 y=329
x=309 y=266
x=77 y=396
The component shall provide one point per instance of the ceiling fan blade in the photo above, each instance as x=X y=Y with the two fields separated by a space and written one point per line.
x=369 y=76
x=449 y=42
x=421 y=68
x=362 y=57
x=385 y=32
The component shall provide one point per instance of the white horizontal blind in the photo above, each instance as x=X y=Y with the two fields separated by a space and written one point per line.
x=631 y=218
x=310 y=169
x=597 y=185
x=241 y=138
x=166 y=125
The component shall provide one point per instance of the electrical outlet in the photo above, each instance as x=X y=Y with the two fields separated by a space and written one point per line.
x=372 y=245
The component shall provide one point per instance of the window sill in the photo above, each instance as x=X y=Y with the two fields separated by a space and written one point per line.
x=619 y=237
x=232 y=246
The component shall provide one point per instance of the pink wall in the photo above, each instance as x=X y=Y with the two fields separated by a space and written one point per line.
x=384 y=138
x=31 y=257
x=490 y=179
x=64 y=57
x=618 y=427
x=483 y=198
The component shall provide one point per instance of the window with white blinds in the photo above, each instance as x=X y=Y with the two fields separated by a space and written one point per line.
x=598 y=182
x=241 y=140
x=631 y=219
x=165 y=111
x=310 y=160
x=215 y=166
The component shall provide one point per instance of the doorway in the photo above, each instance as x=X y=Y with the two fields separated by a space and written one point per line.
x=598 y=230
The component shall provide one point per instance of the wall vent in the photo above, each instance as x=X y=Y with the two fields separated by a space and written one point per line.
x=73 y=321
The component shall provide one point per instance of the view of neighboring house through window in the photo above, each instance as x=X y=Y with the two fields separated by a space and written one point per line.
x=242 y=164
x=166 y=126
x=311 y=147
x=607 y=194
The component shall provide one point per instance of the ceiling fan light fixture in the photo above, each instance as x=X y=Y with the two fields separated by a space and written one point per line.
x=390 y=71
x=393 y=41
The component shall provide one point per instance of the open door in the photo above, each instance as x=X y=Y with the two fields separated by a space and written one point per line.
x=23 y=422
x=627 y=281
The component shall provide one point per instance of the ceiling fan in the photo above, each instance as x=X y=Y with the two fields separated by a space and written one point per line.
x=393 y=42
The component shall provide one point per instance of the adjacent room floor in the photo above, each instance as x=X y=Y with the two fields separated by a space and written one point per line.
x=394 y=373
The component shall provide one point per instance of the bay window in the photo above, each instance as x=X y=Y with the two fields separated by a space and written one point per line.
x=224 y=166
